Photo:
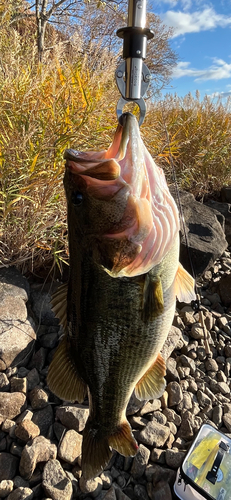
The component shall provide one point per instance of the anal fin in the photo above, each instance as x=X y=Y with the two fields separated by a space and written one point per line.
x=152 y=384
x=62 y=378
x=153 y=300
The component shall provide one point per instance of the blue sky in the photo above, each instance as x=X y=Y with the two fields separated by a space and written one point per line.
x=202 y=40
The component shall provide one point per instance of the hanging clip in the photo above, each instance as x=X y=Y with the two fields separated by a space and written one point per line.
x=133 y=76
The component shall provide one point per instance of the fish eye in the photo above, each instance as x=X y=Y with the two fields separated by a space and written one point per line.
x=77 y=198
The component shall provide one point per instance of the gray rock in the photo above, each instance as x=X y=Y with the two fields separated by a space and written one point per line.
x=59 y=430
x=140 y=462
x=228 y=350
x=211 y=365
x=197 y=331
x=3 y=444
x=8 y=466
x=155 y=473
x=205 y=235
x=33 y=379
x=174 y=458
x=224 y=209
x=17 y=336
x=172 y=416
x=171 y=371
x=138 y=422
x=158 y=456
x=92 y=486
x=121 y=495
x=55 y=482
x=40 y=450
x=73 y=417
x=188 y=362
x=41 y=305
x=110 y=495
x=140 y=492
x=154 y=434
x=159 y=417
x=26 y=430
x=203 y=399
x=175 y=394
x=43 y=419
x=25 y=415
x=134 y=405
x=160 y=491
x=171 y=342
x=6 y=486
x=150 y=407
x=106 y=479
x=224 y=288
x=70 y=447
x=20 y=482
x=21 y=494
x=223 y=388
x=187 y=425
x=217 y=416
x=12 y=404
x=14 y=284
x=38 y=360
x=185 y=403
x=172 y=427
x=4 y=382
x=9 y=426
x=227 y=421
x=38 y=398
x=18 y=384
x=16 y=450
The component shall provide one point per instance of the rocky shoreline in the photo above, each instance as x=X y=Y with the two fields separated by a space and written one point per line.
x=41 y=436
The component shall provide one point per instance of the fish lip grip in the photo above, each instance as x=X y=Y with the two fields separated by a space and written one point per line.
x=133 y=76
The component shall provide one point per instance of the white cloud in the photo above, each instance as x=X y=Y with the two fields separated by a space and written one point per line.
x=200 y=20
x=217 y=71
x=221 y=94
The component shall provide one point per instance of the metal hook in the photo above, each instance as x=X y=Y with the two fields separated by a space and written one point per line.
x=140 y=102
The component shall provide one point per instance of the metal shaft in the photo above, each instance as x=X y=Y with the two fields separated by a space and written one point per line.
x=137 y=19
x=137 y=13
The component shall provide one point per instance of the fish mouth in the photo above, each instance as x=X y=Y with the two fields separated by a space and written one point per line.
x=120 y=160
x=127 y=175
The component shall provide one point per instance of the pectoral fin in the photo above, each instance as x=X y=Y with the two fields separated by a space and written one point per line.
x=62 y=377
x=59 y=304
x=152 y=384
x=153 y=300
x=184 y=284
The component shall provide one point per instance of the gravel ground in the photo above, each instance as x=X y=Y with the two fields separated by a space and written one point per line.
x=41 y=436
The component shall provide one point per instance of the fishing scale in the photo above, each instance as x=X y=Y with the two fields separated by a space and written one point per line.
x=133 y=76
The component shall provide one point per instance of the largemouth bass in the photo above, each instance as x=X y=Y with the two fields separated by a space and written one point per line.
x=119 y=304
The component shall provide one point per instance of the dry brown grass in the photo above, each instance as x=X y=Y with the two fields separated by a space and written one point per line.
x=47 y=108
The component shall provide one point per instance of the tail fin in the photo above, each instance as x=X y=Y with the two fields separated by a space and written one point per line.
x=96 y=451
